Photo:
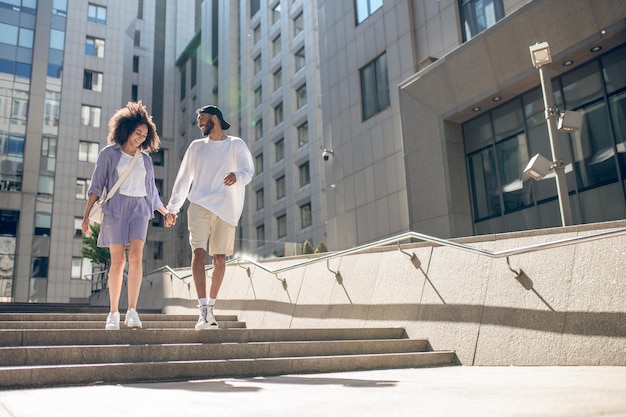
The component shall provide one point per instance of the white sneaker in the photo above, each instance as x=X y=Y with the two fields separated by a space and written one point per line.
x=132 y=319
x=206 y=319
x=113 y=321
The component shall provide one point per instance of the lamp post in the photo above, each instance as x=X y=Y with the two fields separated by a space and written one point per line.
x=542 y=58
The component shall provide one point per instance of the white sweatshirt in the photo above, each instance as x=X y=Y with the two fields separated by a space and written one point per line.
x=201 y=177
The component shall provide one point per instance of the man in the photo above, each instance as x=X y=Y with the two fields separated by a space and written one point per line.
x=213 y=176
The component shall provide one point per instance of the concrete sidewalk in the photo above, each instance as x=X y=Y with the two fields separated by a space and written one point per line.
x=434 y=392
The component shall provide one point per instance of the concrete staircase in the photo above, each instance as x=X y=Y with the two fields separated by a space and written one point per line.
x=48 y=348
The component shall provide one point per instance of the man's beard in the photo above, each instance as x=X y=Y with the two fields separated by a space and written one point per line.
x=208 y=127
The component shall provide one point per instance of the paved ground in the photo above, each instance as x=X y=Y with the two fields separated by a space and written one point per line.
x=433 y=392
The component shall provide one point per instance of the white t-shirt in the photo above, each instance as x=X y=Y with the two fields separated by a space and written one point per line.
x=201 y=177
x=135 y=183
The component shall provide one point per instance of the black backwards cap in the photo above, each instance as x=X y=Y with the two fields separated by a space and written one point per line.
x=210 y=109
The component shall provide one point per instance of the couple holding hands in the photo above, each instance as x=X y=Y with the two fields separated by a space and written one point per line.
x=212 y=176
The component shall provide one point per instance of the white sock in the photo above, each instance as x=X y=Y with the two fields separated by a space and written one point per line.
x=211 y=302
x=202 y=301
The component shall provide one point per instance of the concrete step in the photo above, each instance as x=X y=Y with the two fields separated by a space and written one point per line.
x=110 y=373
x=124 y=336
x=46 y=321
x=47 y=317
x=93 y=354
x=43 y=349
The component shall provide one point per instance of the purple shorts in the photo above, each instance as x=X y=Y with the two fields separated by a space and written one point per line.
x=132 y=224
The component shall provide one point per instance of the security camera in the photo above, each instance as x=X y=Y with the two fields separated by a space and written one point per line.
x=326 y=154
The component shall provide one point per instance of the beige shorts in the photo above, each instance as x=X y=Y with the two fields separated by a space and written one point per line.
x=203 y=225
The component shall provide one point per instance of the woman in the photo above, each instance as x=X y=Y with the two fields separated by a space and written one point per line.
x=127 y=213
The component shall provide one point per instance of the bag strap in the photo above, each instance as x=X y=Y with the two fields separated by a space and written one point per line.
x=121 y=179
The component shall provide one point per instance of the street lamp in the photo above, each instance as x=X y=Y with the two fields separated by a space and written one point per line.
x=541 y=56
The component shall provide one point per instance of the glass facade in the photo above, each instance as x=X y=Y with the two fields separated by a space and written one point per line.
x=499 y=144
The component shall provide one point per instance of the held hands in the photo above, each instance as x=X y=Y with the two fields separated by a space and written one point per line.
x=170 y=219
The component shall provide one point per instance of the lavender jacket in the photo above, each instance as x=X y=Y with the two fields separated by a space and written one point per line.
x=105 y=176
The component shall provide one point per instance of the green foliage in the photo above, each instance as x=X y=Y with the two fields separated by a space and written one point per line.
x=91 y=251
x=307 y=248
x=321 y=248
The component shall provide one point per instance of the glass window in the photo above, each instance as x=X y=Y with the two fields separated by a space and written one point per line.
x=94 y=47
x=478 y=133
x=256 y=34
x=158 y=157
x=43 y=223
x=137 y=38
x=90 y=115
x=279 y=148
x=52 y=108
x=276 y=13
x=26 y=38
x=260 y=199
x=135 y=64
x=81 y=267
x=374 y=87
x=508 y=120
x=618 y=113
x=18 y=107
x=45 y=185
x=278 y=79
x=281 y=225
x=255 y=5
x=258 y=164
x=9 y=34
x=257 y=65
x=260 y=235
x=194 y=71
x=78 y=227
x=614 y=70
x=276 y=46
x=258 y=129
x=300 y=60
x=7 y=67
x=301 y=96
x=48 y=161
x=54 y=70
x=298 y=24
x=280 y=187
x=305 y=215
x=97 y=14
x=82 y=185
x=364 y=8
x=183 y=81
x=258 y=96
x=92 y=80
x=512 y=159
x=304 y=174
x=40 y=267
x=478 y=15
x=88 y=151
x=303 y=134
x=57 y=39
x=59 y=7
x=484 y=182
x=582 y=86
x=278 y=114
x=593 y=148
x=157 y=250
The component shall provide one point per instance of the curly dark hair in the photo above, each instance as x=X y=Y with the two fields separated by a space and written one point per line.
x=126 y=120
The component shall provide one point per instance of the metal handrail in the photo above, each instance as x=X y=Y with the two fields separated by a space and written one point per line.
x=404 y=236
x=444 y=242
